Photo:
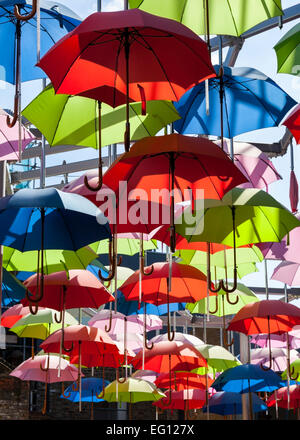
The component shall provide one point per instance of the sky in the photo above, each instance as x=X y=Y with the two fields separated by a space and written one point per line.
x=257 y=53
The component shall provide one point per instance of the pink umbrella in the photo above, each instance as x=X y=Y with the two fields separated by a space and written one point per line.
x=134 y=341
x=9 y=139
x=279 y=356
x=254 y=164
x=45 y=369
x=286 y=249
x=288 y=273
x=277 y=341
x=148 y=375
x=13 y=314
x=134 y=323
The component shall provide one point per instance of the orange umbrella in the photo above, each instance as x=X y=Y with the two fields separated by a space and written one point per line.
x=182 y=380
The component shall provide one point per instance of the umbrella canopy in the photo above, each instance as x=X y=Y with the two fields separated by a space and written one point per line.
x=287 y=272
x=233 y=17
x=292 y=122
x=72 y=120
x=90 y=387
x=30 y=369
x=288 y=51
x=14 y=314
x=226 y=402
x=295 y=367
x=134 y=323
x=55 y=260
x=278 y=341
x=188 y=285
x=285 y=397
x=147 y=38
x=247 y=378
x=246 y=91
x=217 y=357
x=132 y=391
x=182 y=380
x=56 y=21
x=219 y=307
x=126 y=245
x=148 y=375
x=67 y=290
x=258 y=218
x=279 y=356
x=184 y=399
x=169 y=356
x=265 y=316
x=41 y=325
x=70 y=221
x=179 y=337
x=9 y=137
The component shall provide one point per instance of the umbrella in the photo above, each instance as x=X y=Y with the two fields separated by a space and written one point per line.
x=9 y=139
x=287 y=272
x=292 y=122
x=14 y=314
x=226 y=402
x=121 y=64
x=277 y=341
x=295 y=366
x=126 y=245
x=288 y=51
x=179 y=337
x=247 y=378
x=232 y=17
x=12 y=289
x=188 y=285
x=90 y=387
x=183 y=400
x=38 y=219
x=83 y=340
x=18 y=29
x=285 y=398
x=253 y=163
x=71 y=120
x=182 y=380
x=178 y=165
x=243 y=216
x=40 y=326
x=218 y=359
x=279 y=357
x=132 y=391
x=266 y=316
x=148 y=375
x=243 y=91
x=44 y=369
x=55 y=260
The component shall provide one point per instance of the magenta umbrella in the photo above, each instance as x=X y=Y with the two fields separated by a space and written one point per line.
x=9 y=139
x=280 y=357
x=253 y=163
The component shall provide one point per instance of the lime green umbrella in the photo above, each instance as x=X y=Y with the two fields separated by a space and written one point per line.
x=131 y=391
x=73 y=120
x=218 y=359
x=54 y=260
x=219 y=273
x=243 y=216
x=41 y=325
x=288 y=52
x=126 y=246
x=295 y=369
x=225 y=17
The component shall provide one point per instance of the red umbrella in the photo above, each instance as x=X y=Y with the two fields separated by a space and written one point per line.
x=13 y=314
x=292 y=122
x=266 y=316
x=282 y=395
x=188 y=285
x=183 y=400
x=182 y=380
x=123 y=56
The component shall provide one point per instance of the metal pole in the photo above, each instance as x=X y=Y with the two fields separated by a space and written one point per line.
x=99 y=5
x=43 y=155
x=125 y=5
x=3 y=192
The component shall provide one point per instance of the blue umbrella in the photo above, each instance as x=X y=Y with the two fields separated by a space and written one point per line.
x=90 y=387
x=12 y=290
x=251 y=101
x=38 y=219
x=226 y=402
x=247 y=378
x=18 y=40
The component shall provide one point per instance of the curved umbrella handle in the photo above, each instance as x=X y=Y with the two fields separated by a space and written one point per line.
x=171 y=334
x=225 y=340
x=68 y=350
x=225 y=286
x=118 y=379
x=209 y=281
x=28 y=16
x=108 y=329
x=12 y=122
x=58 y=320
x=102 y=394
x=34 y=308
x=62 y=311
x=112 y=260
x=75 y=386
x=47 y=367
x=99 y=184
x=142 y=260
x=63 y=392
x=216 y=308
x=149 y=347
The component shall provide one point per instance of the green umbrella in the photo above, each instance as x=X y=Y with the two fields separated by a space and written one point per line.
x=131 y=391
x=219 y=273
x=288 y=52
x=73 y=120
x=295 y=367
x=225 y=17
x=218 y=359
x=243 y=216
x=54 y=260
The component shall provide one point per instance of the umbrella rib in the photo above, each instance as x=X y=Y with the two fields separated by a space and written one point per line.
x=233 y=19
x=260 y=208
x=67 y=228
x=59 y=119
x=26 y=231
